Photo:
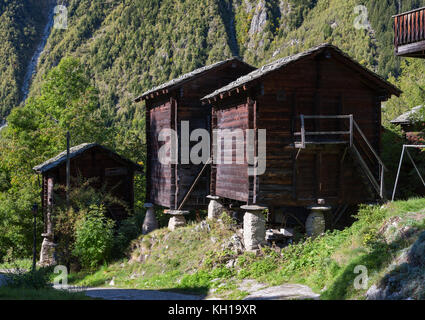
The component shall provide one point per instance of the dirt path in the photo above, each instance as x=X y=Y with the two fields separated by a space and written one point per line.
x=257 y=292
x=135 y=294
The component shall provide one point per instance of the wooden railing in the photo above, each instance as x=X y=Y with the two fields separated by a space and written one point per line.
x=409 y=27
x=366 y=155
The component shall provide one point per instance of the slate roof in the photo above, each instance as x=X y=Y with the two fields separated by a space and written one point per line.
x=75 y=151
x=186 y=77
x=283 y=62
x=405 y=118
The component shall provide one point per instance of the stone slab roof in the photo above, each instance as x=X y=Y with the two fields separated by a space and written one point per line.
x=405 y=118
x=186 y=77
x=75 y=151
x=283 y=62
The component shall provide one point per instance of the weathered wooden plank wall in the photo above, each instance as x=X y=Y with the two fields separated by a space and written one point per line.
x=319 y=85
x=168 y=185
x=159 y=175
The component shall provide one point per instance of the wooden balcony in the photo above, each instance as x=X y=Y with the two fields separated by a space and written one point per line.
x=409 y=34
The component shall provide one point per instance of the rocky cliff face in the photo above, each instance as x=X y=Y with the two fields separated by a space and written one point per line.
x=404 y=278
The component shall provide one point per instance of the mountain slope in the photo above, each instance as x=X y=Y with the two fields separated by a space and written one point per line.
x=133 y=45
x=21 y=24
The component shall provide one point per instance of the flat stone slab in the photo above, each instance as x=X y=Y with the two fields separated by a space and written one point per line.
x=284 y=292
x=319 y=208
x=253 y=208
x=176 y=212
x=135 y=294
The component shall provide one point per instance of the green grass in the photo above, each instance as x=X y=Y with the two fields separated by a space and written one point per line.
x=23 y=264
x=195 y=261
x=39 y=294
x=168 y=260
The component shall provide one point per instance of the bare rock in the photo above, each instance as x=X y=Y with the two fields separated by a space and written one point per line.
x=259 y=19
x=203 y=226
x=284 y=292
x=176 y=221
x=234 y=244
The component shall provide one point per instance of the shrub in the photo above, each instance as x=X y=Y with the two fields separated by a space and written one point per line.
x=38 y=279
x=94 y=237
x=84 y=199
x=128 y=230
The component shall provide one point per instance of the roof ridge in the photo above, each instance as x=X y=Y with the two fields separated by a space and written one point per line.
x=186 y=76
x=281 y=62
x=74 y=151
x=404 y=117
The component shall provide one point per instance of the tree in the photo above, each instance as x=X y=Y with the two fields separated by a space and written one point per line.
x=35 y=133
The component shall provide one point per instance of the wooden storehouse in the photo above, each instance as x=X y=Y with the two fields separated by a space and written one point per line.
x=104 y=167
x=412 y=130
x=409 y=33
x=322 y=115
x=166 y=107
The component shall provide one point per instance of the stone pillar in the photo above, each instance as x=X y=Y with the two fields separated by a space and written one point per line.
x=254 y=227
x=215 y=208
x=48 y=251
x=177 y=219
x=150 y=223
x=316 y=222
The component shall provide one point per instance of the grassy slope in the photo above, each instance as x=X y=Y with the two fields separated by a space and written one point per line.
x=191 y=259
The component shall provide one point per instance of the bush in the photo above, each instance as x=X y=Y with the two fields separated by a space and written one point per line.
x=128 y=230
x=84 y=200
x=94 y=237
x=38 y=279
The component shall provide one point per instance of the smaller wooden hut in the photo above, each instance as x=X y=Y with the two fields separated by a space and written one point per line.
x=322 y=114
x=412 y=131
x=167 y=107
x=90 y=160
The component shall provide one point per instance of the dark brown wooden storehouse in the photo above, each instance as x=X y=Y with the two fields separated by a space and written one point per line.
x=322 y=115
x=166 y=107
x=87 y=161
x=409 y=33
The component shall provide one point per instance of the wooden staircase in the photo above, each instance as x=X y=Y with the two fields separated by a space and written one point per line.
x=367 y=176
x=368 y=163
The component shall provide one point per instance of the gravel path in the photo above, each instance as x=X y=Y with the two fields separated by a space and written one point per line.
x=134 y=294
x=283 y=292
x=257 y=292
